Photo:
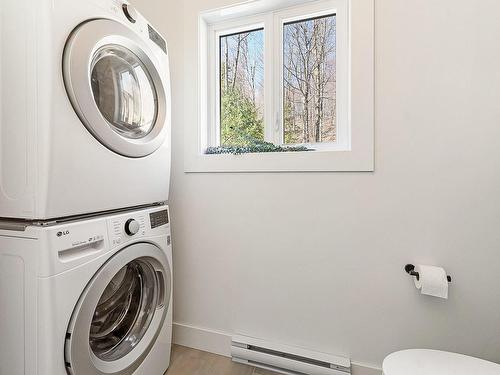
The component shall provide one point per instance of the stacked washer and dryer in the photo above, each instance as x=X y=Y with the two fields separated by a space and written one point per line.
x=85 y=249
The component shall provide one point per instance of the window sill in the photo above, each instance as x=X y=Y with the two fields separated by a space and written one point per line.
x=305 y=161
x=254 y=149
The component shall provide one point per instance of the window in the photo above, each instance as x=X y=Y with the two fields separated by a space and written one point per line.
x=241 y=77
x=300 y=71
x=280 y=76
x=309 y=79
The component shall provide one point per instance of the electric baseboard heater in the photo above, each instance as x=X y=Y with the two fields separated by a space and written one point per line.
x=285 y=359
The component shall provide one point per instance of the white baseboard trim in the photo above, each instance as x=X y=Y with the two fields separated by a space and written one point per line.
x=219 y=342
x=203 y=339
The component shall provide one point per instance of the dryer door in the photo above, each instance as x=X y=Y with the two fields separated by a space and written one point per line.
x=120 y=313
x=118 y=86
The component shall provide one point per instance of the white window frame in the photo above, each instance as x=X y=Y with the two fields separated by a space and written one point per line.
x=354 y=149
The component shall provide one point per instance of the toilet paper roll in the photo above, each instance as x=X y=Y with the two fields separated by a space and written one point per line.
x=432 y=281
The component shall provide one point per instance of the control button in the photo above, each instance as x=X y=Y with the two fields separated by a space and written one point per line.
x=130 y=12
x=131 y=227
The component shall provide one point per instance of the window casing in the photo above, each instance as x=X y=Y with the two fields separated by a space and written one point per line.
x=354 y=147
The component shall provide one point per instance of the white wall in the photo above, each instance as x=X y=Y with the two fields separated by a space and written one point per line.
x=315 y=260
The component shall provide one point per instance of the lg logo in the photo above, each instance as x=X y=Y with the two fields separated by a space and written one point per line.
x=62 y=233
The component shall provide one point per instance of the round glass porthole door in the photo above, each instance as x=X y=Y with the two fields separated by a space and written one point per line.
x=124 y=91
x=118 y=84
x=120 y=313
x=124 y=311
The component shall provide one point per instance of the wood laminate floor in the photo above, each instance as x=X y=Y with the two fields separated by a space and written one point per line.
x=187 y=361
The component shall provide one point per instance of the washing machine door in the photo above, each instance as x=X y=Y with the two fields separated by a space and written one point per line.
x=120 y=313
x=118 y=86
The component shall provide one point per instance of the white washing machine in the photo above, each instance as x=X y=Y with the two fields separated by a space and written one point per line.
x=85 y=297
x=84 y=109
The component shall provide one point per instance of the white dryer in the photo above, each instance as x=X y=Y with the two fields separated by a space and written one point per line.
x=89 y=296
x=84 y=109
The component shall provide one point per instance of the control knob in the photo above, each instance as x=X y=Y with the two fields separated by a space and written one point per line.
x=131 y=227
x=130 y=12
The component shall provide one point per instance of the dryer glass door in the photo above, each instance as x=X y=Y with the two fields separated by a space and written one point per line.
x=117 y=80
x=124 y=91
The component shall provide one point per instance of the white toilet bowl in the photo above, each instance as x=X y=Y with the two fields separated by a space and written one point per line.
x=434 y=362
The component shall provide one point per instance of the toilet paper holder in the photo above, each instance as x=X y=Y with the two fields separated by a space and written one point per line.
x=410 y=269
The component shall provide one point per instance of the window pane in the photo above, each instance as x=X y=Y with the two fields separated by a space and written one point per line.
x=242 y=88
x=309 y=75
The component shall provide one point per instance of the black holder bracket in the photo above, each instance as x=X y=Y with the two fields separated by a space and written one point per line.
x=410 y=269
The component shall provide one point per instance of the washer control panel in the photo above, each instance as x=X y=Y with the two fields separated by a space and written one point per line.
x=124 y=228
x=77 y=241
x=130 y=226
x=158 y=218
